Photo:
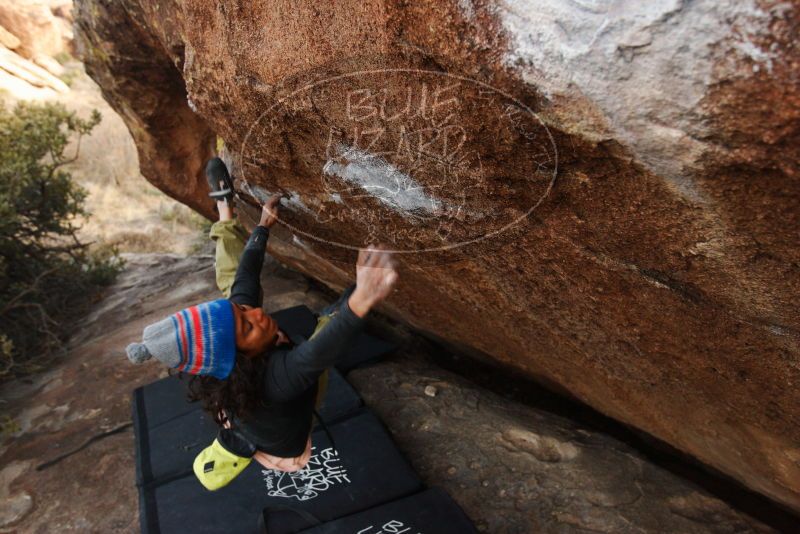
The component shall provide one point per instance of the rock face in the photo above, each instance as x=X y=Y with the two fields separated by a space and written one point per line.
x=37 y=27
x=601 y=194
x=519 y=469
x=31 y=33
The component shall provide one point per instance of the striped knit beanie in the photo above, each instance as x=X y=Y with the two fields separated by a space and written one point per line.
x=199 y=340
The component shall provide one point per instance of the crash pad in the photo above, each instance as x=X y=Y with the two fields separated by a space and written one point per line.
x=430 y=511
x=168 y=449
x=361 y=469
x=365 y=350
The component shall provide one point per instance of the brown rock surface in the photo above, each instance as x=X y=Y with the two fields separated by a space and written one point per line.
x=518 y=469
x=657 y=280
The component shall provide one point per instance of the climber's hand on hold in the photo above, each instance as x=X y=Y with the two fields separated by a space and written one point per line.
x=375 y=278
x=269 y=211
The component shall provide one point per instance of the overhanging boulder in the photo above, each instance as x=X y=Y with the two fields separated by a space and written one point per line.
x=608 y=197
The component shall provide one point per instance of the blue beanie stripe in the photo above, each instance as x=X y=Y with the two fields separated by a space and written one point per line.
x=208 y=339
x=176 y=326
x=224 y=337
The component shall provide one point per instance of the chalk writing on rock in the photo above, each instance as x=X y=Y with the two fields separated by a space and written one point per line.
x=419 y=160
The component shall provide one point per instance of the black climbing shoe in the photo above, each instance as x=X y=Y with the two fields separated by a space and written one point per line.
x=217 y=172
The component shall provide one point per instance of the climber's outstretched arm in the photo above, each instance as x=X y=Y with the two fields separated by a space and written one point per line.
x=290 y=374
x=246 y=287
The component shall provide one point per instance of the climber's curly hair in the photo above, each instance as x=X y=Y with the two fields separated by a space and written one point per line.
x=235 y=396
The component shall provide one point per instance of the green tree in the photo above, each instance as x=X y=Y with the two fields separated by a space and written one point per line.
x=47 y=275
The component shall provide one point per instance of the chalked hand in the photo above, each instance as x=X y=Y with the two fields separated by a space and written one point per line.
x=376 y=275
x=269 y=211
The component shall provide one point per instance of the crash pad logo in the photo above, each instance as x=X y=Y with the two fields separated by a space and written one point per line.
x=419 y=160
x=323 y=471
x=392 y=526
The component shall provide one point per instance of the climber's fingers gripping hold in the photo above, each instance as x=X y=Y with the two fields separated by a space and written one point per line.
x=269 y=211
x=376 y=272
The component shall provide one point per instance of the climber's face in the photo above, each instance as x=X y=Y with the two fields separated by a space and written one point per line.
x=255 y=330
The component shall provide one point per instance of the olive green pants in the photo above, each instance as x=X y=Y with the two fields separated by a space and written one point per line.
x=230 y=238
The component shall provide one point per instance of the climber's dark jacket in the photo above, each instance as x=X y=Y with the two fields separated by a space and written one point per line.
x=282 y=422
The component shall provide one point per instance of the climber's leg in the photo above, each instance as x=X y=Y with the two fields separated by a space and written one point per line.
x=230 y=237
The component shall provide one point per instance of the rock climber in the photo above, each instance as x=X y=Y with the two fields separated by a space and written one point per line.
x=259 y=384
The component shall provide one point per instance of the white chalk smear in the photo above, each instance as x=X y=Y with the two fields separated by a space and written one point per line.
x=294 y=201
x=258 y=193
x=299 y=242
x=383 y=181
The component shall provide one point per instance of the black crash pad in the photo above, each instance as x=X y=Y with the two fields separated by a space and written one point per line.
x=429 y=511
x=366 y=349
x=299 y=320
x=363 y=470
x=168 y=449
x=162 y=401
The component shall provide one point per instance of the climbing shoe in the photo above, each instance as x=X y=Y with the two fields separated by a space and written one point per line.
x=217 y=172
